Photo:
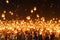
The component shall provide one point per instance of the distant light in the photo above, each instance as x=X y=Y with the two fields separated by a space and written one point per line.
x=7 y=1
x=31 y=11
x=28 y=17
x=11 y=12
x=4 y=11
x=58 y=31
x=53 y=18
x=43 y=19
x=37 y=15
x=58 y=20
x=4 y=18
x=35 y=8
x=3 y=15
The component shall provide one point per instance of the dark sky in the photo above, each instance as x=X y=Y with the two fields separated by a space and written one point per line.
x=21 y=8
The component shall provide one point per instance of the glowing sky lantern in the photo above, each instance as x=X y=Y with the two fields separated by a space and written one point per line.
x=37 y=15
x=4 y=18
x=58 y=20
x=40 y=32
x=15 y=31
x=3 y=15
x=0 y=28
x=4 y=11
x=35 y=8
x=11 y=12
x=43 y=19
x=53 y=18
x=58 y=31
x=10 y=28
x=7 y=1
x=31 y=11
x=28 y=17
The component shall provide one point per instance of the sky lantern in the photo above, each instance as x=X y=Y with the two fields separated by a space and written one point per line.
x=58 y=20
x=4 y=11
x=31 y=11
x=3 y=15
x=7 y=1
x=28 y=17
x=35 y=8
x=4 y=18
x=37 y=15
x=43 y=19
x=11 y=13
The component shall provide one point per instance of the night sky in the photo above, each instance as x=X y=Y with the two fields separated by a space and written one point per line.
x=22 y=8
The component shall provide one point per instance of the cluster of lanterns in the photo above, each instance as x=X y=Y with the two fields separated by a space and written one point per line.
x=34 y=9
x=39 y=25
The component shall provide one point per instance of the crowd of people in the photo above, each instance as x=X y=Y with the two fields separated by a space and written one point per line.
x=29 y=30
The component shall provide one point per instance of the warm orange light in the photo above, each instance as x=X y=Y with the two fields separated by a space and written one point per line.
x=43 y=19
x=4 y=18
x=4 y=11
x=40 y=25
x=35 y=8
x=28 y=17
x=3 y=15
x=7 y=1
x=11 y=12
x=37 y=15
x=31 y=11
x=58 y=20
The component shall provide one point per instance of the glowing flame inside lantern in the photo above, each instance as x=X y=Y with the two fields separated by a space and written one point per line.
x=28 y=17
x=31 y=11
x=7 y=1
x=35 y=8
x=3 y=15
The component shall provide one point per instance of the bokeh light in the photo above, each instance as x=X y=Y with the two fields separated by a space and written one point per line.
x=32 y=11
x=28 y=17
x=7 y=1
x=35 y=8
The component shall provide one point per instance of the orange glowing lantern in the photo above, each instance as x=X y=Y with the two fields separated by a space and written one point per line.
x=31 y=11
x=3 y=15
x=35 y=8
x=7 y=1
x=28 y=17
x=37 y=15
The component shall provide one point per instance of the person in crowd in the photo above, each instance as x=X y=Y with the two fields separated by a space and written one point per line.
x=30 y=36
x=46 y=37
x=23 y=36
x=2 y=37
x=59 y=37
x=12 y=37
x=19 y=36
x=35 y=33
x=34 y=36
x=6 y=36
x=52 y=36
x=26 y=36
x=39 y=36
